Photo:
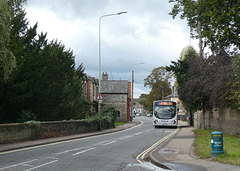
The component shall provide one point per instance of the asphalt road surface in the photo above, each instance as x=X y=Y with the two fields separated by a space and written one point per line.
x=108 y=152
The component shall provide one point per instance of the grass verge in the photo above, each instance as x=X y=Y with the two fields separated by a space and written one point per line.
x=119 y=123
x=231 y=147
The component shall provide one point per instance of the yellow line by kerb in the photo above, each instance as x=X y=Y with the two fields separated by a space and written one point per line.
x=142 y=155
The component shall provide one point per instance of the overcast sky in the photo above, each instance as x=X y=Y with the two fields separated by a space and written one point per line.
x=146 y=34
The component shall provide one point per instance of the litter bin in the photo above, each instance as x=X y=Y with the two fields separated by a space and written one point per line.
x=216 y=143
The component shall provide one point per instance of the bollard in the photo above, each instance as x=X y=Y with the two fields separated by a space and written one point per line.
x=216 y=143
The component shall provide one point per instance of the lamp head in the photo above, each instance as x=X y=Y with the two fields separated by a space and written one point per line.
x=121 y=13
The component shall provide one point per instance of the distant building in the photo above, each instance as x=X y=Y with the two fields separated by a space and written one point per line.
x=117 y=93
x=90 y=91
x=138 y=108
x=173 y=97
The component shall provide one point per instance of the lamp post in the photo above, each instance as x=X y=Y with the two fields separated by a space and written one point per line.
x=99 y=76
x=131 y=117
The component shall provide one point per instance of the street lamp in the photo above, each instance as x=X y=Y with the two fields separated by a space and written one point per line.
x=99 y=76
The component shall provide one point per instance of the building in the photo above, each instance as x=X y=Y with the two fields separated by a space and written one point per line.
x=181 y=111
x=138 y=108
x=117 y=94
x=173 y=97
x=90 y=91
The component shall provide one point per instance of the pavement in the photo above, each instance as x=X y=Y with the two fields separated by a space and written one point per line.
x=176 y=153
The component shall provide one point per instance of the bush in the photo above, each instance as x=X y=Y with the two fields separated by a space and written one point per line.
x=112 y=113
x=106 y=120
x=27 y=115
x=33 y=123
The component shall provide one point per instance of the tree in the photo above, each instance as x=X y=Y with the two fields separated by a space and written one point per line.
x=189 y=90
x=235 y=89
x=180 y=67
x=7 y=59
x=207 y=82
x=159 y=82
x=12 y=93
x=143 y=96
x=45 y=86
x=219 y=20
x=143 y=102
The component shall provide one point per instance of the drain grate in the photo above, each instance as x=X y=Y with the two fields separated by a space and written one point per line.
x=168 y=151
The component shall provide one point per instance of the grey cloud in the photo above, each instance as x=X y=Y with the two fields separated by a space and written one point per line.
x=124 y=44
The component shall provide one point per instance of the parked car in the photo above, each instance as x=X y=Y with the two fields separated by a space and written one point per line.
x=138 y=114
x=149 y=115
x=180 y=112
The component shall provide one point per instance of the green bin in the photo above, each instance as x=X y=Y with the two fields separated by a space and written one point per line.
x=216 y=143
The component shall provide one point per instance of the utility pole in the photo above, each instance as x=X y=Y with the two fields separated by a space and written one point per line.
x=131 y=116
x=200 y=40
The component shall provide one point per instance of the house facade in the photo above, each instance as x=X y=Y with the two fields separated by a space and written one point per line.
x=117 y=94
x=138 y=108
x=90 y=90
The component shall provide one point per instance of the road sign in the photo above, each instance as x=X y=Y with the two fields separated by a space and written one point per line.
x=99 y=96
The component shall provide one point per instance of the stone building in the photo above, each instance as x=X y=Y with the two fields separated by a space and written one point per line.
x=117 y=93
x=138 y=108
x=90 y=91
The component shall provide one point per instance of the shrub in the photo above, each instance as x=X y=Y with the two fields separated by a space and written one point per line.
x=112 y=113
x=33 y=123
x=27 y=115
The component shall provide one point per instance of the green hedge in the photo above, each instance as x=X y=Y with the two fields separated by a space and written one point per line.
x=104 y=120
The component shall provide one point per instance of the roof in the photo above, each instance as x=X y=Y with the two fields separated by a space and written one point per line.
x=172 y=95
x=114 y=86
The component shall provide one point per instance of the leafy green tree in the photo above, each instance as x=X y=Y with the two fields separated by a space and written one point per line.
x=143 y=102
x=218 y=20
x=187 y=87
x=208 y=82
x=159 y=90
x=180 y=67
x=159 y=82
x=45 y=86
x=143 y=96
x=235 y=89
x=7 y=59
x=13 y=93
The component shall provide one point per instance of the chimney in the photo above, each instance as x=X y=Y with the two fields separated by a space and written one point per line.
x=105 y=76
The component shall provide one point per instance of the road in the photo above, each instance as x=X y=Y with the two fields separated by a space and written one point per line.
x=108 y=152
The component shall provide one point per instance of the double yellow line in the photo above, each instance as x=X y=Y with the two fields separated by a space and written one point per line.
x=141 y=156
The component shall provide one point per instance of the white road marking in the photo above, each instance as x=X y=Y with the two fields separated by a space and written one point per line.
x=18 y=164
x=102 y=143
x=125 y=137
x=138 y=133
x=42 y=165
x=75 y=149
x=109 y=143
x=169 y=131
x=83 y=151
x=159 y=131
x=53 y=158
x=28 y=165
x=148 y=130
